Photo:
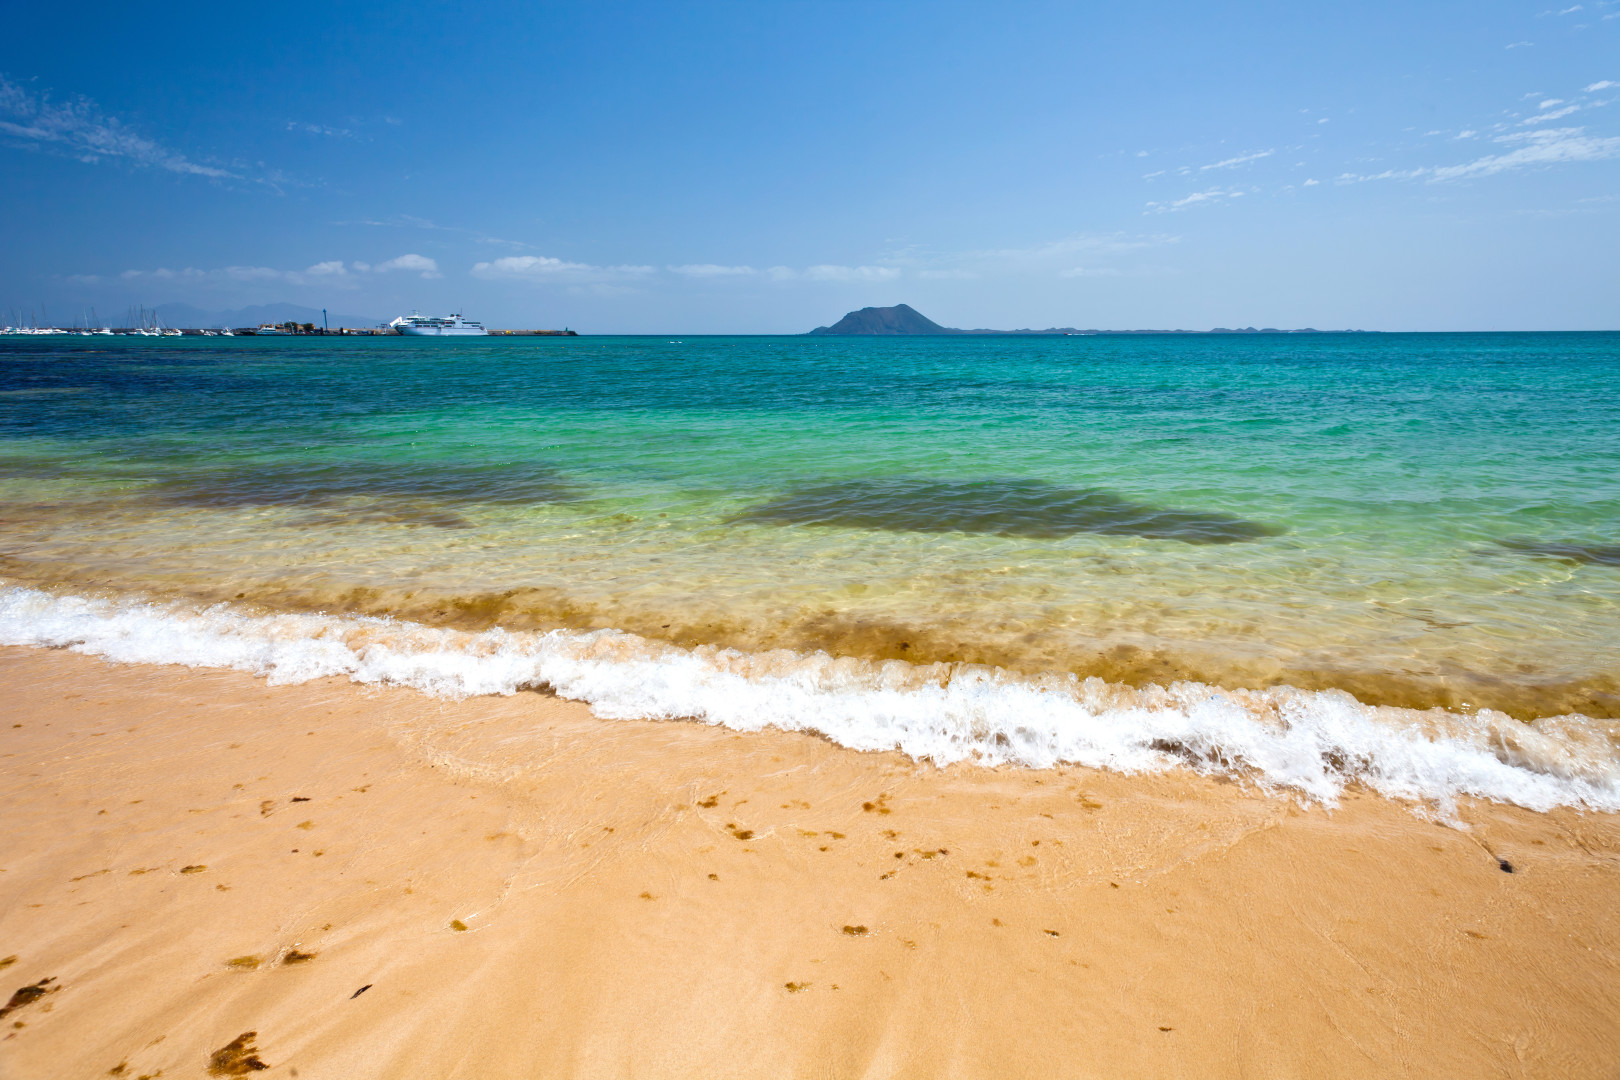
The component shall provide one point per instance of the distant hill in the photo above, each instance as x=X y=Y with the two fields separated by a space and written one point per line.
x=900 y=319
x=187 y=317
x=903 y=319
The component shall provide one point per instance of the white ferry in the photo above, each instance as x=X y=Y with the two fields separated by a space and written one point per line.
x=437 y=325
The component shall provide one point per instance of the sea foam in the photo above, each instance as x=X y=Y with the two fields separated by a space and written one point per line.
x=1310 y=742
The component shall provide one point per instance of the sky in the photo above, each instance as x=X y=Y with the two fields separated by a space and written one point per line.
x=766 y=166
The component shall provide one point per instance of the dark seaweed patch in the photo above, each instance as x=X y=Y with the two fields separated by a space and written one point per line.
x=1023 y=508
x=410 y=493
x=27 y=995
x=1591 y=554
x=237 y=1057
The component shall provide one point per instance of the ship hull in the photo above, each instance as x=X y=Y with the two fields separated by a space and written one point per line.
x=441 y=331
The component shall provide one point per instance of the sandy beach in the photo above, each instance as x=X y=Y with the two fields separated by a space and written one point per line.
x=206 y=875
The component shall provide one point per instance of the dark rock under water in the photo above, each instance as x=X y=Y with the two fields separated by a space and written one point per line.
x=1000 y=507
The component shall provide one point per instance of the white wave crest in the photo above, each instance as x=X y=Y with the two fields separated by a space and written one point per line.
x=1313 y=742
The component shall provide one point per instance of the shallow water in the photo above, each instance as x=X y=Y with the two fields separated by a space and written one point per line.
x=1420 y=520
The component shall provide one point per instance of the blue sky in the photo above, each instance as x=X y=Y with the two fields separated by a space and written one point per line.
x=767 y=166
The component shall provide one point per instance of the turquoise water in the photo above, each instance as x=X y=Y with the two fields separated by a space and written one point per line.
x=1419 y=520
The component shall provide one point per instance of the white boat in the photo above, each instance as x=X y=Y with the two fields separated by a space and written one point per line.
x=267 y=329
x=437 y=326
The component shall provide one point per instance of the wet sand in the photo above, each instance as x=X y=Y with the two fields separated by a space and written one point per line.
x=202 y=873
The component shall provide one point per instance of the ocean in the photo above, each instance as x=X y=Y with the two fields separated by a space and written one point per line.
x=1300 y=560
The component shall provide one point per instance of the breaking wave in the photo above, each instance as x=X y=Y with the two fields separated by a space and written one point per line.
x=1310 y=742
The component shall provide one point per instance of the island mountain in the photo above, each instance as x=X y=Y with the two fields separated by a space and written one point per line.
x=904 y=320
x=900 y=319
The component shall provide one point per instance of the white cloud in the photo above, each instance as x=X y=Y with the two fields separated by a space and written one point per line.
x=1234 y=161
x=421 y=263
x=1519 y=45
x=1309 y=183
x=1151 y=175
x=79 y=130
x=1604 y=85
x=1466 y=134
x=1323 y=120
x=1570 y=10
x=540 y=268
x=711 y=270
x=328 y=273
x=248 y=273
x=827 y=272
x=1550 y=102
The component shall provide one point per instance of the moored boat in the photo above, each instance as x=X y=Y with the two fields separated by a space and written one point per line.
x=416 y=325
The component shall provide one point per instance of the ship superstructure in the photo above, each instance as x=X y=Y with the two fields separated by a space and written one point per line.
x=437 y=325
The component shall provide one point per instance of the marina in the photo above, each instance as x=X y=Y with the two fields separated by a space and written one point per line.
x=281 y=330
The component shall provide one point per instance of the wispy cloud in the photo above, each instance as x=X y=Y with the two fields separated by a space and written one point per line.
x=1552 y=146
x=1091 y=271
x=1233 y=162
x=1604 y=85
x=421 y=264
x=331 y=272
x=1519 y=45
x=319 y=129
x=406 y=221
x=1556 y=114
x=1191 y=200
x=1549 y=146
x=544 y=268
x=821 y=272
x=78 y=129
x=711 y=270
x=832 y=272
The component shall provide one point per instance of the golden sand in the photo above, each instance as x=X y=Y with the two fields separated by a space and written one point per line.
x=204 y=875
